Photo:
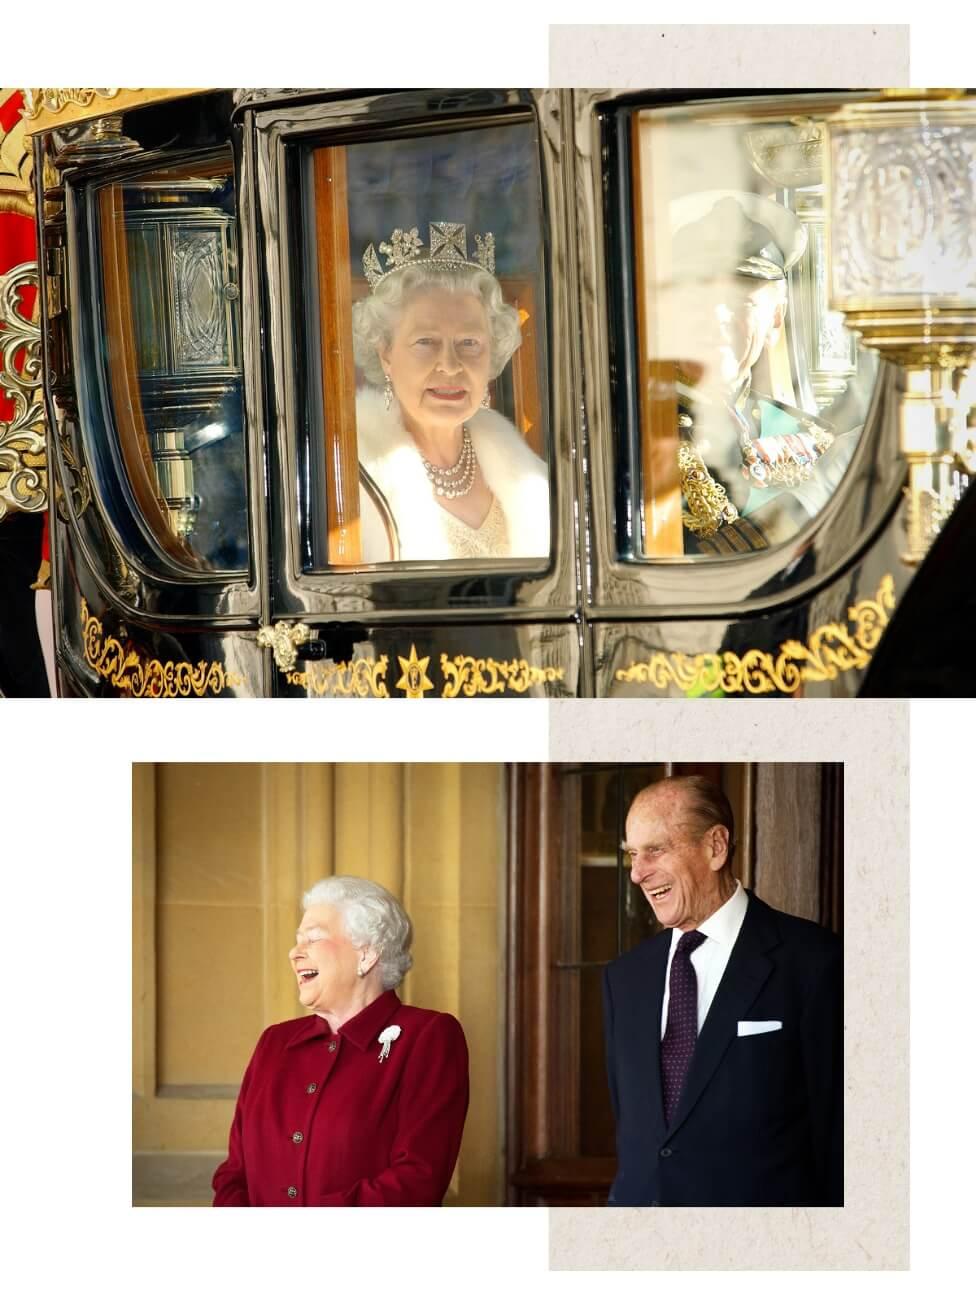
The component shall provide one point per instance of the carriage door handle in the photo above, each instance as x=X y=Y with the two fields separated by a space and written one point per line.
x=284 y=639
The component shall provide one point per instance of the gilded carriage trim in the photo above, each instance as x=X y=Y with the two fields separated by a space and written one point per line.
x=482 y=676
x=57 y=100
x=359 y=677
x=56 y=109
x=830 y=650
x=23 y=457
x=139 y=676
x=76 y=480
x=284 y=639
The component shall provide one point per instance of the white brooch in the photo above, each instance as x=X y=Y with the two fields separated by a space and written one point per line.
x=387 y=1037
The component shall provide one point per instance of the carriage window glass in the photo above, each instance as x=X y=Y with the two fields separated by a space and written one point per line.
x=426 y=405
x=168 y=358
x=750 y=395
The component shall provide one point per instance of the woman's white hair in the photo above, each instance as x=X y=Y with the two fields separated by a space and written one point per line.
x=372 y=919
x=374 y=319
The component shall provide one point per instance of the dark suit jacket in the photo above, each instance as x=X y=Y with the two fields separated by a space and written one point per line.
x=760 y=1117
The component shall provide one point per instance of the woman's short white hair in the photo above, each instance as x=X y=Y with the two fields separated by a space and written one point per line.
x=374 y=319
x=372 y=919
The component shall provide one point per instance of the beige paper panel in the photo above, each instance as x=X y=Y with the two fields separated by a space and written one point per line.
x=704 y=54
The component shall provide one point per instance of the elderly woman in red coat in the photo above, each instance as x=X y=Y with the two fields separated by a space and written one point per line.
x=362 y=1102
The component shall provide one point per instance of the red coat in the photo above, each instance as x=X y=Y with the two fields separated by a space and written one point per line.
x=320 y=1120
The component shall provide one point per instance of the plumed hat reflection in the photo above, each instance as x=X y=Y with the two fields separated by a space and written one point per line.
x=729 y=231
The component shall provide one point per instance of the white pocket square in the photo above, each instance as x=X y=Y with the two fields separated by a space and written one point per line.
x=758 y=1027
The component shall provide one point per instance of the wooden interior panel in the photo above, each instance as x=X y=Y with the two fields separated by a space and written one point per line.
x=520 y=293
x=660 y=484
x=788 y=836
x=338 y=366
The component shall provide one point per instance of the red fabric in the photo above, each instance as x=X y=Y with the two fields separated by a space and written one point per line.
x=373 y=1133
x=10 y=111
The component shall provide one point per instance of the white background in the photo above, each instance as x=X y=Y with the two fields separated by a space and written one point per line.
x=65 y=920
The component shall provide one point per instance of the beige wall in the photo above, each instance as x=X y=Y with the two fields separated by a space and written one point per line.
x=221 y=855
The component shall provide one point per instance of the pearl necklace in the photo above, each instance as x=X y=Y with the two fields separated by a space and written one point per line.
x=454 y=482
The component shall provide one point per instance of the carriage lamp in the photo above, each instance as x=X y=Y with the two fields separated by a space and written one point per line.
x=901 y=178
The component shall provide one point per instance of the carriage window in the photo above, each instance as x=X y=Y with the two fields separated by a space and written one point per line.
x=167 y=284
x=751 y=394
x=426 y=427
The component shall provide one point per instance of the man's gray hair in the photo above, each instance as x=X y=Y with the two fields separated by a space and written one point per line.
x=372 y=918
x=706 y=805
x=374 y=319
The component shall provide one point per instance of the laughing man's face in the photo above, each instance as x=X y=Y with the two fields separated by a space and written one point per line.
x=676 y=867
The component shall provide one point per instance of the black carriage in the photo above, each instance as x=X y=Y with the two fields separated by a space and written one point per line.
x=201 y=257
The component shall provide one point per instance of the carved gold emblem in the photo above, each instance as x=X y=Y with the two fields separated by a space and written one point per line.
x=16 y=167
x=23 y=458
x=830 y=650
x=139 y=676
x=57 y=100
x=414 y=680
x=284 y=639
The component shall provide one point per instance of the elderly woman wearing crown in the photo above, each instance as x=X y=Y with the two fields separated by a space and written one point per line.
x=361 y=1101
x=458 y=478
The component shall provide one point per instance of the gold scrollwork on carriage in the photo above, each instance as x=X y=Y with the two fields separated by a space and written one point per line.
x=23 y=457
x=830 y=650
x=359 y=677
x=139 y=676
x=482 y=676
x=469 y=676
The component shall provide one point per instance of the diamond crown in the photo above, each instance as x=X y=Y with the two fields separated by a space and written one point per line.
x=448 y=251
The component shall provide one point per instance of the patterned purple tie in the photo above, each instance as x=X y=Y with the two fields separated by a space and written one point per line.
x=681 y=1033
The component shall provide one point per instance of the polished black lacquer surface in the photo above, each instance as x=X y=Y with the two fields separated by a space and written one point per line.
x=188 y=429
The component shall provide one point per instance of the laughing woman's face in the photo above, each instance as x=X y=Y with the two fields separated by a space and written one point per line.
x=324 y=961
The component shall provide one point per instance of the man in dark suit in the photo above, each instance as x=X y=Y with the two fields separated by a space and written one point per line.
x=724 y=1033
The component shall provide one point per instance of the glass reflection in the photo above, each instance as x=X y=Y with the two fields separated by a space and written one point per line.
x=752 y=400
x=169 y=302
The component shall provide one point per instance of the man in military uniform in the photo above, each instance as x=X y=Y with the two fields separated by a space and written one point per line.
x=753 y=469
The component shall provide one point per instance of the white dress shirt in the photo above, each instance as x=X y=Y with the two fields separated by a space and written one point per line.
x=712 y=956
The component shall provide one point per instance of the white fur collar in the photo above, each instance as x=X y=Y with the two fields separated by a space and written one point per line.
x=513 y=473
